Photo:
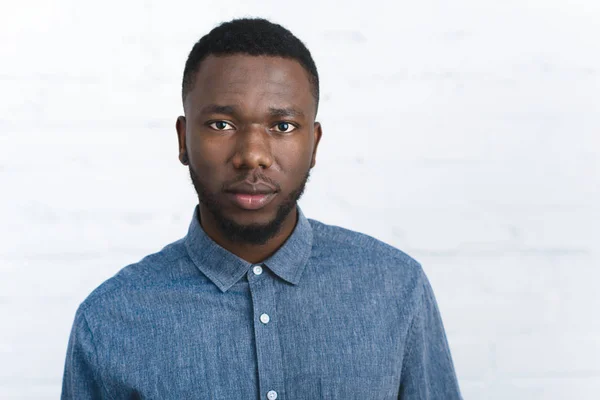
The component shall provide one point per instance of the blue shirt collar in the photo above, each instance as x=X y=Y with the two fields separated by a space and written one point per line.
x=224 y=268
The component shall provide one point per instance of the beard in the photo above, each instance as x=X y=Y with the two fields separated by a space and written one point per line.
x=254 y=234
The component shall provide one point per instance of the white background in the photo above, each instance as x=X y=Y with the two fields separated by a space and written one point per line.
x=465 y=133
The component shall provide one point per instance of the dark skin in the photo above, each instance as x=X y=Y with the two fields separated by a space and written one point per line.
x=249 y=117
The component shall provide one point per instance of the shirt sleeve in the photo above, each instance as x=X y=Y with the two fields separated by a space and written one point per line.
x=427 y=369
x=81 y=379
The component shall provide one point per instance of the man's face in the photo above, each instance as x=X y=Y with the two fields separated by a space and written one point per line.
x=249 y=119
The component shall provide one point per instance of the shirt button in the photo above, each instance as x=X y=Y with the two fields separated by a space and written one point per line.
x=264 y=318
x=257 y=270
x=271 y=395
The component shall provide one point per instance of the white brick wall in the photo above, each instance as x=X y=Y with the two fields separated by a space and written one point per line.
x=474 y=124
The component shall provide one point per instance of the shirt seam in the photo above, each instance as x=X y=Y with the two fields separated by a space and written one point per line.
x=410 y=350
x=97 y=295
x=102 y=383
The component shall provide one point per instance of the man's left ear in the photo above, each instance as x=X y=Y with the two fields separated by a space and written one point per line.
x=318 y=132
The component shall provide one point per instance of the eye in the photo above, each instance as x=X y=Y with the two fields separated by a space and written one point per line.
x=284 y=127
x=221 y=126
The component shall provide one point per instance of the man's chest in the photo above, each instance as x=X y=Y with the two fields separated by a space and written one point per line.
x=252 y=341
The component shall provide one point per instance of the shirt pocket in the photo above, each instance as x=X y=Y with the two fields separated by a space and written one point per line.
x=360 y=387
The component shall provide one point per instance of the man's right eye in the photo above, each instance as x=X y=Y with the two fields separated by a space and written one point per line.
x=221 y=126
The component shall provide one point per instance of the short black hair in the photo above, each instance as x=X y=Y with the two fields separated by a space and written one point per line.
x=252 y=36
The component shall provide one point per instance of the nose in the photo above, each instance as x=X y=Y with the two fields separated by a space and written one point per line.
x=253 y=148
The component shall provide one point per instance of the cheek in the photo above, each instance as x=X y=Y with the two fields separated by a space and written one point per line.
x=206 y=162
x=203 y=152
x=306 y=155
x=295 y=161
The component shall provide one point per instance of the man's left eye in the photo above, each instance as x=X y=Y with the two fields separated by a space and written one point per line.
x=284 y=127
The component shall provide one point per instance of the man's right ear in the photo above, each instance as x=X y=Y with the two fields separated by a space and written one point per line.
x=180 y=126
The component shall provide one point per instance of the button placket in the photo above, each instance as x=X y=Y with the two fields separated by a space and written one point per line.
x=268 y=348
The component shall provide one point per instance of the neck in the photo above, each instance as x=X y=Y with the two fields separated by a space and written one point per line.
x=251 y=253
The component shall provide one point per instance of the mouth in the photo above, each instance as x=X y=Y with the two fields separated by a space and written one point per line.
x=249 y=201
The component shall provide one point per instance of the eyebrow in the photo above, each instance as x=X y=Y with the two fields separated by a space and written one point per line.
x=231 y=110
x=217 y=109
x=285 y=112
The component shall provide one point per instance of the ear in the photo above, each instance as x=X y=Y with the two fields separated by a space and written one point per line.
x=180 y=126
x=318 y=131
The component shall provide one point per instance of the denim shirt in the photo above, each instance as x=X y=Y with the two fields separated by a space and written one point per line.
x=333 y=314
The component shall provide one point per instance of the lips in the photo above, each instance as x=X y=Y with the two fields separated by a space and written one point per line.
x=246 y=187
x=251 y=201
x=251 y=195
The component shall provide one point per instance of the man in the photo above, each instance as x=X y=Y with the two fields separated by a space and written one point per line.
x=257 y=301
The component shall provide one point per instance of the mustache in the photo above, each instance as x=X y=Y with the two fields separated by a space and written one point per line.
x=255 y=177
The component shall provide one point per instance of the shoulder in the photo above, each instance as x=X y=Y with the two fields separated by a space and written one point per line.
x=374 y=271
x=338 y=239
x=359 y=249
x=154 y=269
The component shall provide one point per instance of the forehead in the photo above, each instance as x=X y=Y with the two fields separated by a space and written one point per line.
x=258 y=81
